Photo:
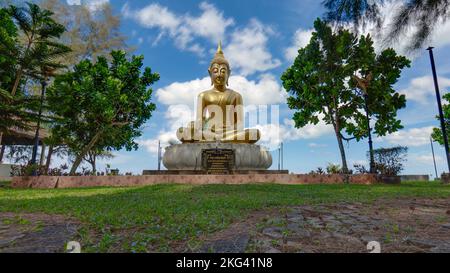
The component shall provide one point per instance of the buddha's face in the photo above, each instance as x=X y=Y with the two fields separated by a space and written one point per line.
x=219 y=74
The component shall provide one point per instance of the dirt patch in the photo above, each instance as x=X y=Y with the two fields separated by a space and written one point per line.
x=400 y=225
x=35 y=232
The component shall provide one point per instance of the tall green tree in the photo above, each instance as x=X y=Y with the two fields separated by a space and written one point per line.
x=29 y=56
x=102 y=106
x=90 y=34
x=8 y=40
x=341 y=78
x=373 y=78
x=17 y=110
x=317 y=82
x=421 y=16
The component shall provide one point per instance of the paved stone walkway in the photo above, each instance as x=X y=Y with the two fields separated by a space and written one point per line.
x=405 y=225
x=402 y=225
x=35 y=233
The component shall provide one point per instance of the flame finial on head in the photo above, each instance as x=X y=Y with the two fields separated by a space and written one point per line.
x=219 y=57
x=219 y=48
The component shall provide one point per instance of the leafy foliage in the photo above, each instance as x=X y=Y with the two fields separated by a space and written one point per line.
x=360 y=168
x=36 y=54
x=421 y=16
x=102 y=106
x=373 y=79
x=335 y=75
x=356 y=11
x=436 y=135
x=389 y=161
x=8 y=40
x=316 y=81
x=334 y=168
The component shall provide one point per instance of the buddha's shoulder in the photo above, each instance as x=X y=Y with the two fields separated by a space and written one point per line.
x=205 y=93
x=212 y=91
x=235 y=93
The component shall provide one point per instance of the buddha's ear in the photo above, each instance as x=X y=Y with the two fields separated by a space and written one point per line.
x=229 y=73
x=209 y=72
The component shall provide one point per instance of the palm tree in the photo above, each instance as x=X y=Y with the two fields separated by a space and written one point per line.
x=40 y=46
x=422 y=14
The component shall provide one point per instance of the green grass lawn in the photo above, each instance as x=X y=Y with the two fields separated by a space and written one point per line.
x=139 y=219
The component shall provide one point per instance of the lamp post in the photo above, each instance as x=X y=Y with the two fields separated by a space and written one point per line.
x=46 y=73
x=434 y=160
x=438 y=98
x=159 y=155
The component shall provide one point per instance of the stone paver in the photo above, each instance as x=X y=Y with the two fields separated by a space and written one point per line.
x=402 y=225
x=35 y=233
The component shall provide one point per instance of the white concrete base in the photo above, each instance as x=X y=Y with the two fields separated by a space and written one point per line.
x=188 y=156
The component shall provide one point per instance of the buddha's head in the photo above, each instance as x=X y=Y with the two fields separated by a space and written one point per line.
x=219 y=69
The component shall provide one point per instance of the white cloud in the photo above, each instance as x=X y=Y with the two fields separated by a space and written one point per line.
x=151 y=145
x=154 y=15
x=441 y=34
x=74 y=2
x=273 y=134
x=93 y=5
x=176 y=116
x=412 y=137
x=247 y=47
x=425 y=159
x=301 y=39
x=210 y=24
x=317 y=145
x=182 y=92
x=421 y=89
x=359 y=162
x=310 y=131
x=183 y=28
x=247 y=51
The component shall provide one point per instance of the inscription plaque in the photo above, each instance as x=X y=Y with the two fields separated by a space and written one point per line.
x=218 y=161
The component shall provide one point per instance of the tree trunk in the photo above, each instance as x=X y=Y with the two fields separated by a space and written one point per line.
x=85 y=150
x=16 y=82
x=20 y=70
x=342 y=150
x=49 y=158
x=372 y=161
x=2 y=152
x=94 y=165
x=337 y=131
x=2 y=146
x=41 y=159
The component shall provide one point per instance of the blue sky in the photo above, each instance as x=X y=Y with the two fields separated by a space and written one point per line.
x=260 y=39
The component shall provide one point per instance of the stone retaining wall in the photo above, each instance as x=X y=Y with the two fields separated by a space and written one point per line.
x=50 y=182
x=415 y=177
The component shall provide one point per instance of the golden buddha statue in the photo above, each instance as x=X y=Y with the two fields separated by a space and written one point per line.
x=220 y=110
